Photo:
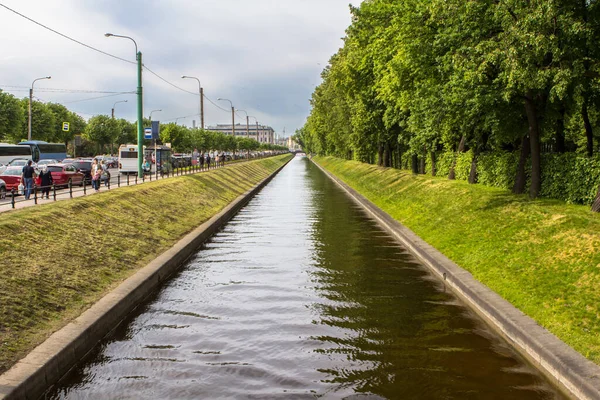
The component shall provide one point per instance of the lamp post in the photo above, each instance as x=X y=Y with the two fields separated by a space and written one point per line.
x=140 y=105
x=256 y=128
x=113 y=108
x=247 y=124
x=30 y=102
x=151 y=114
x=232 y=115
x=201 y=90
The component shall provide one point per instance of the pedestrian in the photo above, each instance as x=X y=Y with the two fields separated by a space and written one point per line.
x=207 y=160
x=222 y=159
x=105 y=173
x=45 y=181
x=96 y=175
x=201 y=161
x=27 y=177
x=217 y=161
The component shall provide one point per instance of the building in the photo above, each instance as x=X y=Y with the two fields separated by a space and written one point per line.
x=260 y=133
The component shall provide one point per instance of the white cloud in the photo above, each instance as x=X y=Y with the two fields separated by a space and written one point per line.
x=261 y=54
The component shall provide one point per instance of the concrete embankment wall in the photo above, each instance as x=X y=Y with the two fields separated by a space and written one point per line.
x=51 y=360
x=576 y=376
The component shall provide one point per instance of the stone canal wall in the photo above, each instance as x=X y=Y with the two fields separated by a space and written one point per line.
x=47 y=363
x=576 y=376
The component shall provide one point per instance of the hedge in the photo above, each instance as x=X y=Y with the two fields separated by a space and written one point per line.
x=569 y=177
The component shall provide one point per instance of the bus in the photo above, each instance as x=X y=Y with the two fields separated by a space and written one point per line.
x=9 y=152
x=156 y=155
x=128 y=158
x=41 y=150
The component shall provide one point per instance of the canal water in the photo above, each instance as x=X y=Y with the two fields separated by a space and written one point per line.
x=302 y=296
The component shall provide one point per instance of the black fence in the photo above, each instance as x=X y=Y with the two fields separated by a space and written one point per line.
x=113 y=180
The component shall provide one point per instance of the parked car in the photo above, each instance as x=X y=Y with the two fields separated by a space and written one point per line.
x=47 y=162
x=69 y=160
x=2 y=167
x=20 y=162
x=3 y=190
x=85 y=167
x=62 y=174
x=12 y=177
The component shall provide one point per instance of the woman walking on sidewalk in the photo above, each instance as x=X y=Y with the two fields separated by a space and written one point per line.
x=96 y=174
x=45 y=182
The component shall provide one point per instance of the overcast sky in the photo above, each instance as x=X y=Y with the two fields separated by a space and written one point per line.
x=266 y=56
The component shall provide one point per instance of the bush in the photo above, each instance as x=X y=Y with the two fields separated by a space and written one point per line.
x=463 y=165
x=497 y=169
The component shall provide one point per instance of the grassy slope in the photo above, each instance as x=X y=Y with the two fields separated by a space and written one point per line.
x=58 y=259
x=543 y=256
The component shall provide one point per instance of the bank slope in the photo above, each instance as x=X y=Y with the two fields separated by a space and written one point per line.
x=543 y=256
x=58 y=259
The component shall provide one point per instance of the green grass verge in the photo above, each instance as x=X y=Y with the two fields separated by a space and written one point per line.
x=543 y=255
x=60 y=258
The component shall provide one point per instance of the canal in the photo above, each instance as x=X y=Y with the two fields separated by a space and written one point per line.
x=302 y=296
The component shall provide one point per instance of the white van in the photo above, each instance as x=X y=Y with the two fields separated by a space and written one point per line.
x=128 y=159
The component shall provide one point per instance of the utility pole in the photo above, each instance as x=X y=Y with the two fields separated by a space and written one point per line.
x=248 y=128
x=232 y=115
x=140 y=104
x=30 y=105
x=201 y=108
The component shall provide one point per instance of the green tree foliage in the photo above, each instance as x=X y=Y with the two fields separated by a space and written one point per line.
x=418 y=77
x=11 y=117
x=102 y=130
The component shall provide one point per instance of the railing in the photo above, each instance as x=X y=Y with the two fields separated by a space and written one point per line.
x=62 y=192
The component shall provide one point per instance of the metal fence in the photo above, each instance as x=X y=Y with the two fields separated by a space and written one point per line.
x=16 y=200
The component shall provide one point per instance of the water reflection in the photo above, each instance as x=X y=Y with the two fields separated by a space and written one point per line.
x=302 y=296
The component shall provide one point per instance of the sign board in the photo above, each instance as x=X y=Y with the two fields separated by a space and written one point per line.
x=147 y=133
x=66 y=126
x=155 y=130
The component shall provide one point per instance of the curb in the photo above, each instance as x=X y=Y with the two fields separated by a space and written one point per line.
x=50 y=361
x=567 y=369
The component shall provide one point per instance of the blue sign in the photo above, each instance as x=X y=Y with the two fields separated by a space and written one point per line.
x=147 y=133
x=155 y=130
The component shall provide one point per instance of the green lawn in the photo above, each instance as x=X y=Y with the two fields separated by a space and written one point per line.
x=543 y=255
x=58 y=259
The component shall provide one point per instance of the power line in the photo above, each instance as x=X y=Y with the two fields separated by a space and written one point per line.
x=216 y=105
x=61 y=90
x=65 y=36
x=98 y=97
x=166 y=81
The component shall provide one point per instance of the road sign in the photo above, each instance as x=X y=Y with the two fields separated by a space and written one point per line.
x=155 y=130
x=147 y=133
x=66 y=126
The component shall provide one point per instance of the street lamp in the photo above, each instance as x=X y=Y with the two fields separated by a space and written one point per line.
x=140 y=105
x=247 y=124
x=113 y=108
x=30 y=102
x=232 y=115
x=151 y=114
x=256 y=127
x=201 y=90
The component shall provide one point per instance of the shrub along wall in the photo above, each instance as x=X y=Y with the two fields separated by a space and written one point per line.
x=568 y=177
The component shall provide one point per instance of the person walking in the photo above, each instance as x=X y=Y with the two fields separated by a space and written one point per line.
x=105 y=173
x=201 y=161
x=45 y=181
x=96 y=175
x=207 y=160
x=27 y=177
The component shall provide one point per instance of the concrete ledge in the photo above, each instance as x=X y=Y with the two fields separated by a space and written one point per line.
x=47 y=363
x=572 y=373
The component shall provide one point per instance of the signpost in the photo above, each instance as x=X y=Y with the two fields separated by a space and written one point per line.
x=66 y=126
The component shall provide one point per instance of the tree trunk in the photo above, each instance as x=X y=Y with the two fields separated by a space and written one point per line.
x=433 y=170
x=461 y=148
x=473 y=173
x=589 y=134
x=534 y=139
x=415 y=164
x=596 y=203
x=560 y=131
x=399 y=160
x=519 y=186
x=380 y=155
x=387 y=155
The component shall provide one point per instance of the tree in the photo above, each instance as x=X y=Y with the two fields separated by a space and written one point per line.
x=102 y=130
x=11 y=117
